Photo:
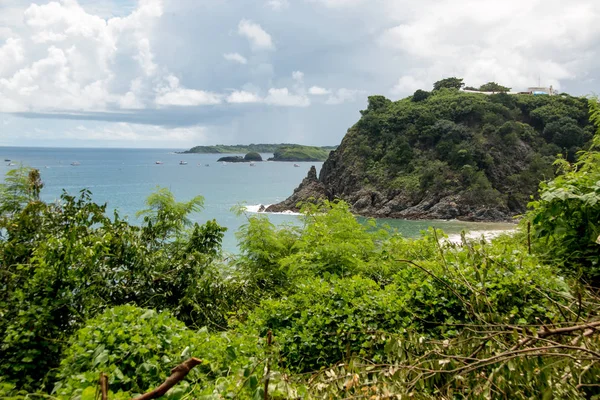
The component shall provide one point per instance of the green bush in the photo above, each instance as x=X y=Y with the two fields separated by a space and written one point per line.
x=566 y=218
x=135 y=347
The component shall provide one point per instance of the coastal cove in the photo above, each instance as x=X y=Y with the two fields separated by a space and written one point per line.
x=123 y=178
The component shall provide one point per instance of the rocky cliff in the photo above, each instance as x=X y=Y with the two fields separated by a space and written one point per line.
x=451 y=155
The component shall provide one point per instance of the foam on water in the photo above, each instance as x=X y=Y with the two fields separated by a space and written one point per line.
x=256 y=208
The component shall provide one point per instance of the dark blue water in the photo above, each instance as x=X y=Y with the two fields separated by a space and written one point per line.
x=123 y=178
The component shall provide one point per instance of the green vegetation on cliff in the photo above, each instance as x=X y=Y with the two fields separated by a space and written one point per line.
x=300 y=153
x=451 y=154
x=242 y=148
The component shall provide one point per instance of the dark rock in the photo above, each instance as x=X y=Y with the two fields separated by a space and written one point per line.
x=253 y=156
x=311 y=189
x=250 y=157
x=232 y=159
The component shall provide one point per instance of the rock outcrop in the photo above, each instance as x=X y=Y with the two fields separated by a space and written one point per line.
x=311 y=189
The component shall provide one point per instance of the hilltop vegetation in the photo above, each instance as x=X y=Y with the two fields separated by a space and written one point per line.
x=241 y=148
x=300 y=153
x=451 y=154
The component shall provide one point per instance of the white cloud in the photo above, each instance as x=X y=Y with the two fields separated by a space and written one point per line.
x=298 y=75
x=5 y=33
x=119 y=134
x=318 y=91
x=11 y=55
x=283 y=97
x=339 y=3
x=343 y=95
x=173 y=94
x=65 y=58
x=235 y=57
x=511 y=42
x=258 y=37
x=127 y=132
x=277 y=5
x=242 y=96
x=409 y=84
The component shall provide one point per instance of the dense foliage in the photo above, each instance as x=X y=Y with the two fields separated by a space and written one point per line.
x=333 y=308
x=565 y=218
x=64 y=262
x=242 y=148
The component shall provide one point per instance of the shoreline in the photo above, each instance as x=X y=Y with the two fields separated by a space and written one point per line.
x=486 y=232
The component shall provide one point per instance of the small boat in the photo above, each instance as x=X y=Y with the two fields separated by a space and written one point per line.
x=7 y=159
x=182 y=162
x=252 y=164
x=11 y=164
x=296 y=165
x=159 y=162
x=75 y=163
x=207 y=165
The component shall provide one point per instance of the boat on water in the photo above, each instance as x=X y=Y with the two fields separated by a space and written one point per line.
x=7 y=159
x=182 y=162
x=11 y=164
x=252 y=164
x=296 y=165
x=75 y=163
x=207 y=165
x=159 y=162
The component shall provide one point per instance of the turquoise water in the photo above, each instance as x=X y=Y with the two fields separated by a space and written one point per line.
x=123 y=178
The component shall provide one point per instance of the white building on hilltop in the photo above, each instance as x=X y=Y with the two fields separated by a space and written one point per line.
x=539 y=91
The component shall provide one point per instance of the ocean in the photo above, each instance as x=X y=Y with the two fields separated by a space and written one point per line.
x=123 y=178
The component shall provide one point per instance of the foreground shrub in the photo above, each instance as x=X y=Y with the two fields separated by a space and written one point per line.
x=135 y=347
x=566 y=218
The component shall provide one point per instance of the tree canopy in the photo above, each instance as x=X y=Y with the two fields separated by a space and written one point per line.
x=449 y=83
x=493 y=87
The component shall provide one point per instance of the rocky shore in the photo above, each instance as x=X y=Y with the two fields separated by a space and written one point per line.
x=370 y=203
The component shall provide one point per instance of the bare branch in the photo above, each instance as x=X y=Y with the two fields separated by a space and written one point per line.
x=177 y=374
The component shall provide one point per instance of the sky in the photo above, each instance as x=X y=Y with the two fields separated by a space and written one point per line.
x=180 y=73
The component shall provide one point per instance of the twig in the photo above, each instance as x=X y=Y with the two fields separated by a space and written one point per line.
x=529 y=237
x=266 y=389
x=103 y=386
x=177 y=374
x=585 y=327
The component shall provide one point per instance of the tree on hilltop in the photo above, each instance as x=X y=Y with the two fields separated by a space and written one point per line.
x=493 y=87
x=449 y=83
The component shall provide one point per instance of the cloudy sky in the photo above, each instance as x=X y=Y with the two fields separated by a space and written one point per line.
x=178 y=73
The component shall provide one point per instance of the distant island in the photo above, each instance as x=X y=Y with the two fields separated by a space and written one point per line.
x=296 y=152
x=450 y=154
x=281 y=152
x=249 y=157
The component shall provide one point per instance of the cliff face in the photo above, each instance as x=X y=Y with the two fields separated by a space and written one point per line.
x=452 y=155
